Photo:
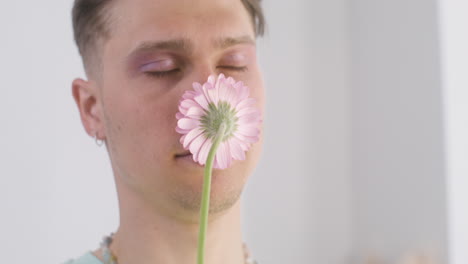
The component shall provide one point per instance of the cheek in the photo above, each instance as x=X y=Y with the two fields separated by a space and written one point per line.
x=257 y=89
x=141 y=130
x=154 y=124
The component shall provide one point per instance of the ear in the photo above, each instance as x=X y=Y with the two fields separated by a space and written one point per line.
x=86 y=95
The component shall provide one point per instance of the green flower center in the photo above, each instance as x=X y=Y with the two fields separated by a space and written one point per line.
x=215 y=116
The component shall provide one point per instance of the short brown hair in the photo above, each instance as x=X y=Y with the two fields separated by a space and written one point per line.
x=91 y=25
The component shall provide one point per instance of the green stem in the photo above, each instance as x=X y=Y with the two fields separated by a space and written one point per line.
x=205 y=202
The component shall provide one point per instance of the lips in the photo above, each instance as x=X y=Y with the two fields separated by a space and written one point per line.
x=183 y=154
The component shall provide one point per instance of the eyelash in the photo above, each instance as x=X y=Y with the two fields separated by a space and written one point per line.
x=162 y=74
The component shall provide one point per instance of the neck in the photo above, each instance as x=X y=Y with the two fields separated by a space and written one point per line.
x=147 y=236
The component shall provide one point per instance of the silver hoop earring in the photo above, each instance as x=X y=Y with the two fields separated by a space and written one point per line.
x=99 y=142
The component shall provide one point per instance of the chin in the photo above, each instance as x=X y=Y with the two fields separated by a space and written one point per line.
x=226 y=188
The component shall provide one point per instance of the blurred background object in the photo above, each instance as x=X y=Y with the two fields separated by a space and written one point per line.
x=376 y=118
x=417 y=259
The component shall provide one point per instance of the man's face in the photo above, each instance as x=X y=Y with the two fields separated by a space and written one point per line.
x=157 y=49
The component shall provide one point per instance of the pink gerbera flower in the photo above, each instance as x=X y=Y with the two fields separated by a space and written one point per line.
x=218 y=102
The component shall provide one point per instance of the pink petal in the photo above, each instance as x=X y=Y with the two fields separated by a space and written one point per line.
x=203 y=153
x=189 y=94
x=242 y=90
x=223 y=157
x=222 y=92
x=201 y=100
x=195 y=112
x=228 y=155
x=244 y=145
x=213 y=95
x=230 y=81
x=249 y=131
x=179 y=115
x=231 y=96
x=206 y=87
x=220 y=79
x=197 y=87
x=182 y=110
x=196 y=156
x=236 y=150
x=253 y=118
x=188 y=123
x=182 y=131
x=196 y=145
x=212 y=79
x=186 y=104
x=246 y=139
x=246 y=111
x=245 y=103
x=187 y=139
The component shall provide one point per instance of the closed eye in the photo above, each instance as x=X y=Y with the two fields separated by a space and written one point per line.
x=161 y=74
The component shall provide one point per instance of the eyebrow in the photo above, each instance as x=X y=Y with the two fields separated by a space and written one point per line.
x=230 y=41
x=174 y=44
x=184 y=44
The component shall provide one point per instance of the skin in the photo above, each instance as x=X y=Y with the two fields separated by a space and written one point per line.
x=133 y=111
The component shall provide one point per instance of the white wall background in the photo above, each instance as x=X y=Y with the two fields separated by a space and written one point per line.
x=53 y=177
x=454 y=43
x=398 y=178
x=354 y=100
x=297 y=203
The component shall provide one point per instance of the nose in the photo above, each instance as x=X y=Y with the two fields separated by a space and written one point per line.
x=198 y=73
x=201 y=73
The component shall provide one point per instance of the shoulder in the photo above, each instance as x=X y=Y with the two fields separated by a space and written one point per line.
x=87 y=258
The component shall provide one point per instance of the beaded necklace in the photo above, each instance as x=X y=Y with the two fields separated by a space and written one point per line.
x=110 y=258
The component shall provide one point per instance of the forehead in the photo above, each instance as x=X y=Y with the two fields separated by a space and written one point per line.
x=202 y=21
